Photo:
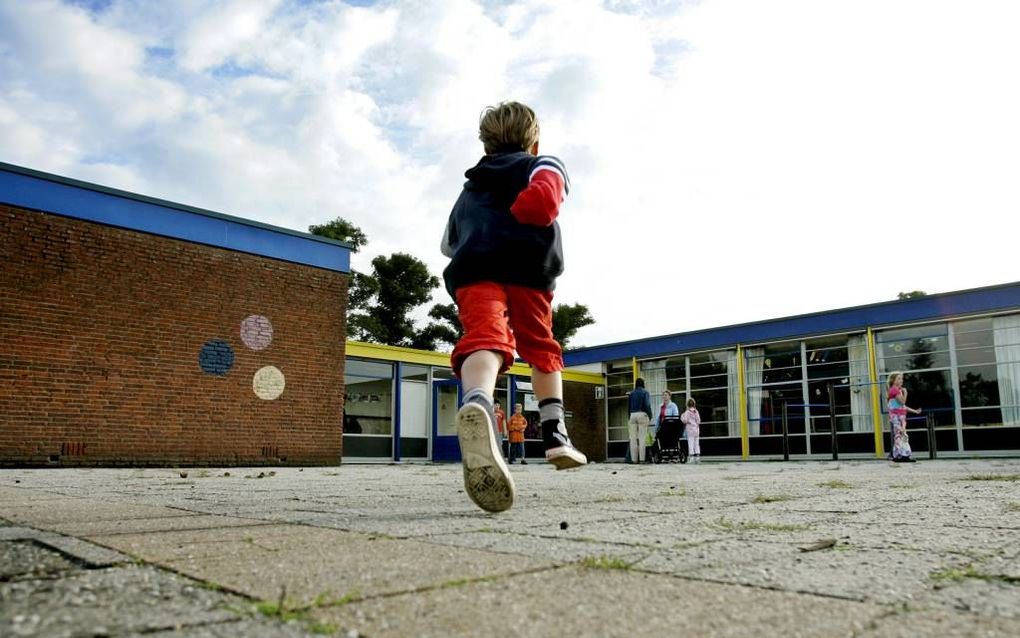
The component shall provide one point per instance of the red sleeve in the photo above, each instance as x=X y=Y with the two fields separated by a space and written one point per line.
x=539 y=203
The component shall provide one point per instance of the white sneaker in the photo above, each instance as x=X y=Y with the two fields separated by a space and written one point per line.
x=486 y=477
x=559 y=450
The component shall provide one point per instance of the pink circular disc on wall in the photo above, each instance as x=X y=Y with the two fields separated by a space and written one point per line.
x=256 y=332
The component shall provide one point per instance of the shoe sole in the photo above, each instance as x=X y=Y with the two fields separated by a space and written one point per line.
x=486 y=477
x=565 y=458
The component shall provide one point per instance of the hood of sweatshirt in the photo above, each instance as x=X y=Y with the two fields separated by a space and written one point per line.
x=494 y=172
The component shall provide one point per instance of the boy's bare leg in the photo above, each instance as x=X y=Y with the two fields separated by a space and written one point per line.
x=479 y=371
x=486 y=477
x=558 y=449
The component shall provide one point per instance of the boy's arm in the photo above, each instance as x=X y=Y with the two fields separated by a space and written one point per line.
x=449 y=237
x=539 y=203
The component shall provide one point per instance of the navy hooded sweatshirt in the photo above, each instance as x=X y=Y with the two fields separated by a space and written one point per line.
x=483 y=239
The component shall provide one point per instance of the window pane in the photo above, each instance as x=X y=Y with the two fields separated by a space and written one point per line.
x=713 y=381
x=932 y=392
x=909 y=334
x=920 y=354
x=713 y=406
x=836 y=370
x=367 y=406
x=982 y=416
x=979 y=386
x=771 y=408
x=969 y=334
x=413 y=373
x=975 y=355
x=368 y=368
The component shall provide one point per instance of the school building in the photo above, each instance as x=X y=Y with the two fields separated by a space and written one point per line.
x=137 y=331
x=960 y=353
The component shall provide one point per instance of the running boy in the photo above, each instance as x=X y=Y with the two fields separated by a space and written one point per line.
x=505 y=254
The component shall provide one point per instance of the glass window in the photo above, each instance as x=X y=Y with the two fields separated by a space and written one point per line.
x=916 y=348
x=367 y=406
x=368 y=397
x=410 y=372
x=932 y=391
x=827 y=358
x=781 y=363
x=709 y=370
x=979 y=386
x=770 y=402
x=368 y=368
x=713 y=406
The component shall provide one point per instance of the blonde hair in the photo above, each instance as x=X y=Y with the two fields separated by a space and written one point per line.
x=508 y=126
x=892 y=378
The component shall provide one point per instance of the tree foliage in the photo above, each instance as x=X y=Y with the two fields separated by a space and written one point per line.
x=400 y=283
x=568 y=319
x=341 y=230
x=913 y=294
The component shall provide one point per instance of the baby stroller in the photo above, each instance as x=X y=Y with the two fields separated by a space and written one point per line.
x=670 y=446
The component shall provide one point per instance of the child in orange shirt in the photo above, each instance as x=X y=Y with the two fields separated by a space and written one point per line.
x=517 y=425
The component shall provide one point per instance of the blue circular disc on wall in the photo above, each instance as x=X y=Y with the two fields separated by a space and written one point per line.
x=216 y=357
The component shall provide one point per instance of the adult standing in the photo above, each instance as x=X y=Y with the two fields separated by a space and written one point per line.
x=667 y=409
x=639 y=404
x=897 y=404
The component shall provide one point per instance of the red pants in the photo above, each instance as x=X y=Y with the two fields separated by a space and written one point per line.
x=505 y=318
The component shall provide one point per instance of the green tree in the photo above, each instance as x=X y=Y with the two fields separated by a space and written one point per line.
x=446 y=328
x=913 y=294
x=341 y=230
x=402 y=283
x=568 y=319
x=360 y=287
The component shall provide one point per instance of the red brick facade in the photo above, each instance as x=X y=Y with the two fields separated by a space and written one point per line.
x=118 y=347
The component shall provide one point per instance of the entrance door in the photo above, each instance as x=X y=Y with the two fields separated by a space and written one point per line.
x=445 y=403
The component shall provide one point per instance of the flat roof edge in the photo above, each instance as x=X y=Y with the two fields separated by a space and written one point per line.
x=36 y=190
x=985 y=299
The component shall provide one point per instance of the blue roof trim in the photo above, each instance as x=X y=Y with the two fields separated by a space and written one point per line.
x=931 y=307
x=34 y=190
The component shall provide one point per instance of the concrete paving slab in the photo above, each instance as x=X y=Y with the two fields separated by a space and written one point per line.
x=107 y=602
x=366 y=569
x=236 y=628
x=686 y=559
x=880 y=576
x=985 y=596
x=66 y=511
x=164 y=547
x=931 y=537
x=584 y=602
x=941 y=623
x=77 y=549
x=25 y=559
x=548 y=546
x=145 y=525
x=308 y=562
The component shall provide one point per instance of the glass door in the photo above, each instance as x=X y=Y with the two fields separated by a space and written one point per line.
x=445 y=403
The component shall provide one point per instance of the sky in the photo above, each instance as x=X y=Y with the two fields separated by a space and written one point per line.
x=730 y=160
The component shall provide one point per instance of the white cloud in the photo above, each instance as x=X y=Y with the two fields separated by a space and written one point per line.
x=752 y=159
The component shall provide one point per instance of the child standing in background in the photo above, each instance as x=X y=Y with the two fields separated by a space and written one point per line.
x=692 y=428
x=517 y=425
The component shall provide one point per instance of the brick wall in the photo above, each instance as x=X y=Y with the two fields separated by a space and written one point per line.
x=587 y=423
x=121 y=348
